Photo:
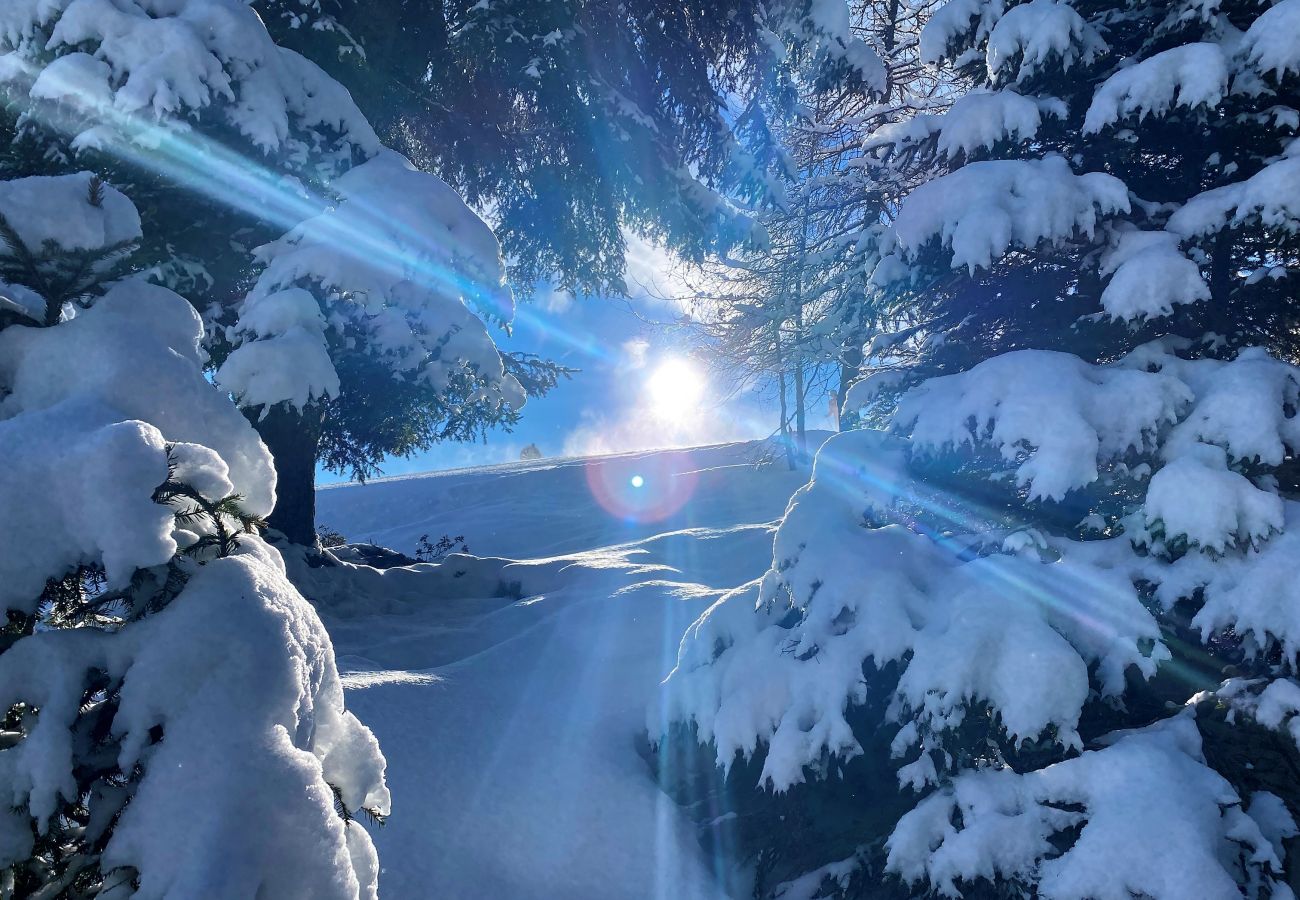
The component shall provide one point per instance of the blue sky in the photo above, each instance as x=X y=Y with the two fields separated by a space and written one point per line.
x=609 y=405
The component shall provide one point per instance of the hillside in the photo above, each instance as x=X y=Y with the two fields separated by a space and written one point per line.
x=508 y=688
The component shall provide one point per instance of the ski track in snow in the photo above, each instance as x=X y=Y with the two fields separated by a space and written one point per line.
x=509 y=716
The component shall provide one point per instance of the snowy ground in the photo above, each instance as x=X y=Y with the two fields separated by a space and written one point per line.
x=508 y=689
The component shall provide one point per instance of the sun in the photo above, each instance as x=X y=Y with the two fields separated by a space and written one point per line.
x=675 y=389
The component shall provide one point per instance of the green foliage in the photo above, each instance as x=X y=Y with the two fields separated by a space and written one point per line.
x=377 y=415
x=328 y=537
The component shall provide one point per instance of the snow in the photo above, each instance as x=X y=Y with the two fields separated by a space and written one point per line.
x=980 y=120
x=976 y=121
x=1149 y=275
x=1152 y=781
x=58 y=209
x=952 y=20
x=1038 y=31
x=557 y=505
x=1256 y=596
x=276 y=709
x=1197 y=496
x=1071 y=414
x=401 y=264
x=868 y=388
x=1272 y=43
x=1244 y=405
x=22 y=300
x=1057 y=418
x=1273 y=818
x=1272 y=194
x=1271 y=702
x=507 y=693
x=221 y=706
x=985 y=208
x=828 y=21
x=292 y=368
x=98 y=429
x=127 y=67
x=1190 y=75
x=979 y=617
x=1010 y=630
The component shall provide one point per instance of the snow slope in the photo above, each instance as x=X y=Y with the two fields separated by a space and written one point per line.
x=508 y=691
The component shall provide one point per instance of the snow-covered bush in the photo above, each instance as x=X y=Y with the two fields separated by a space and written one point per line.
x=1078 y=518
x=173 y=721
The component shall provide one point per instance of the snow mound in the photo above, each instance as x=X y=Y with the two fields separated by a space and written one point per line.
x=99 y=428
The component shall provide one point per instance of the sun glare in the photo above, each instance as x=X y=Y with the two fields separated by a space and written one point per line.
x=675 y=389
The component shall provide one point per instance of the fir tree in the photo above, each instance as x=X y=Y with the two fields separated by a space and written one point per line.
x=1052 y=601
x=226 y=133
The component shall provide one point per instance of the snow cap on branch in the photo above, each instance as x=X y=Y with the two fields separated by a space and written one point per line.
x=400 y=263
x=985 y=208
x=122 y=69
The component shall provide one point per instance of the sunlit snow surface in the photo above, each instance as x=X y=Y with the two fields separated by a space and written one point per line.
x=509 y=724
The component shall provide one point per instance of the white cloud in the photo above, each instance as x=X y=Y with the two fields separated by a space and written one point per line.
x=634 y=354
x=554 y=300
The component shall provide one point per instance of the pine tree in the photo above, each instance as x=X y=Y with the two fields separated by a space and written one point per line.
x=362 y=335
x=1052 y=601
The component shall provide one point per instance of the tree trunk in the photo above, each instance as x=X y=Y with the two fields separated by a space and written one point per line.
x=785 y=417
x=850 y=370
x=800 y=413
x=293 y=439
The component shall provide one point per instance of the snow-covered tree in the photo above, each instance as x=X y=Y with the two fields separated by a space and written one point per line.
x=173 y=721
x=791 y=310
x=1025 y=597
x=362 y=335
x=215 y=128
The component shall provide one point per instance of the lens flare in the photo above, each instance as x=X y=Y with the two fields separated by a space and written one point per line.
x=642 y=488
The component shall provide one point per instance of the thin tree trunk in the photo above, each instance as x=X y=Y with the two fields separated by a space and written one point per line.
x=800 y=412
x=293 y=439
x=891 y=30
x=800 y=400
x=785 y=416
